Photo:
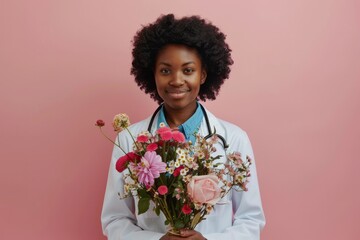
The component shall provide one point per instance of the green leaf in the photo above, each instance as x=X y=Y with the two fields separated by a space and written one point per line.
x=143 y=193
x=217 y=157
x=143 y=205
x=179 y=224
x=157 y=210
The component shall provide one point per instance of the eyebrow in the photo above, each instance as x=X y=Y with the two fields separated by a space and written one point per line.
x=168 y=64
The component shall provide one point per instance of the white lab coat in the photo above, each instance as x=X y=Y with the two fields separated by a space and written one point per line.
x=239 y=216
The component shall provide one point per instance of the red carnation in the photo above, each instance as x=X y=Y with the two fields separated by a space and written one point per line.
x=100 y=123
x=186 y=209
x=177 y=171
x=123 y=161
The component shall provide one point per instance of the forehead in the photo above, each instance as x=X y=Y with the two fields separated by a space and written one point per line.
x=177 y=52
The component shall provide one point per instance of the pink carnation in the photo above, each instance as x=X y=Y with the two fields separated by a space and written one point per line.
x=142 y=138
x=163 y=190
x=165 y=133
x=178 y=136
x=166 y=136
x=152 y=147
x=163 y=129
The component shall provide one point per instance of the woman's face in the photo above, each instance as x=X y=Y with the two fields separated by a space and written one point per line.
x=178 y=76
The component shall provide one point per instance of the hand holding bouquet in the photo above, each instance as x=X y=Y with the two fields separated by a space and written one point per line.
x=182 y=179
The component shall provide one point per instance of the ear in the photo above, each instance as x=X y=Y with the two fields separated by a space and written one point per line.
x=203 y=76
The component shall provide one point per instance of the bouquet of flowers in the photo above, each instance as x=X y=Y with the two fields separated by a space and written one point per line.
x=182 y=179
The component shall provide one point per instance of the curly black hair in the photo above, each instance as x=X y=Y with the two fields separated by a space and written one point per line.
x=193 y=32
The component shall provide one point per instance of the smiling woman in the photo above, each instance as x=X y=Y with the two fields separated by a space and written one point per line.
x=178 y=76
x=178 y=62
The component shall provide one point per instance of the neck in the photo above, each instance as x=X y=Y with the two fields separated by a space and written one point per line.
x=176 y=117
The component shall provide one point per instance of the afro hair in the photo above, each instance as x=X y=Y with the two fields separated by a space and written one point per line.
x=193 y=32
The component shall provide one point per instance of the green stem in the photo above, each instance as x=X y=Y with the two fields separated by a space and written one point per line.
x=132 y=138
x=165 y=210
x=164 y=152
x=113 y=141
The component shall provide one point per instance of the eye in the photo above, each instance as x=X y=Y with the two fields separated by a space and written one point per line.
x=189 y=70
x=164 y=71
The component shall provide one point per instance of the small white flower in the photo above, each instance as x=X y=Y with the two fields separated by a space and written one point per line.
x=177 y=164
x=198 y=206
x=195 y=166
x=201 y=154
x=187 y=178
x=209 y=208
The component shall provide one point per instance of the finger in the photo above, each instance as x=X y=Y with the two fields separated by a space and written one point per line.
x=187 y=232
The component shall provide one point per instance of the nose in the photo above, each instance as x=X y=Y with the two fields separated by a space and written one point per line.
x=177 y=79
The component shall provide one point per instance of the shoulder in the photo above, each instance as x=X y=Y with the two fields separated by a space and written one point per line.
x=233 y=134
x=226 y=126
x=140 y=126
x=134 y=129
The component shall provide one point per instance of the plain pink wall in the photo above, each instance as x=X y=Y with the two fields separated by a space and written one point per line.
x=294 y=88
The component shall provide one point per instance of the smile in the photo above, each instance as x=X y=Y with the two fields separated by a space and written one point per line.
x=177 y=93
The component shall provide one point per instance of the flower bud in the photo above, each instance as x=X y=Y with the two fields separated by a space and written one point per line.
x=100 y=123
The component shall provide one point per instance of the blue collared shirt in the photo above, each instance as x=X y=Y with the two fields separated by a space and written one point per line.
x=188 y=128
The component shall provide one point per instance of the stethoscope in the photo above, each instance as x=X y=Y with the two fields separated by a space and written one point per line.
x=225 y=145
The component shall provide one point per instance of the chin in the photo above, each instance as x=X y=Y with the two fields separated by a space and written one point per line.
x=178 y=105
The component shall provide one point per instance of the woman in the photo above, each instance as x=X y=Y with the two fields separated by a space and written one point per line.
x=178 y=62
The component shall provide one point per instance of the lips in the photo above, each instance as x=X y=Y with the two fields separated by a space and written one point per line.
x=177 y=93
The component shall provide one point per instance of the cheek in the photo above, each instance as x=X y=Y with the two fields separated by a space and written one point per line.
x=196 y=82
x=159 y=84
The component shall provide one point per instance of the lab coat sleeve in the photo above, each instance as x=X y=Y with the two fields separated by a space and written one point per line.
x=249 y=217
x=118 y=215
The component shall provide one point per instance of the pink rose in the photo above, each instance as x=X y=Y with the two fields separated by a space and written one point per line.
x=204 y=189
x=163 y=190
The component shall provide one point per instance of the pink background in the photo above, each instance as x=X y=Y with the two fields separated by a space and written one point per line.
x=294 y=88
